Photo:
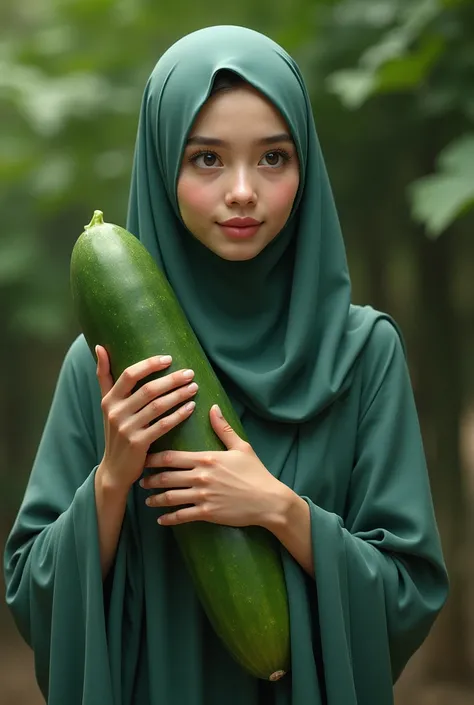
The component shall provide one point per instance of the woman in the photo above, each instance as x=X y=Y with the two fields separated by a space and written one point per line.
x=334 y=466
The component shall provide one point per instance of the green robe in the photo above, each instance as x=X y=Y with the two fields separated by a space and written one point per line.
x=324 y=394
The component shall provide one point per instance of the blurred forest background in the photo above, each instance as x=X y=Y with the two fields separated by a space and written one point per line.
x=392 y=86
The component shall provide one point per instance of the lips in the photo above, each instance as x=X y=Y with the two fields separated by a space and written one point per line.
x=240 y=223
x=240 y=228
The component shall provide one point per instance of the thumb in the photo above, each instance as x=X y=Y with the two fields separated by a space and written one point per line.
x=103 y=370
x=224 y=430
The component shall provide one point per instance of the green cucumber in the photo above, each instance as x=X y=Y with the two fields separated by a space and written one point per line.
x=124 y=302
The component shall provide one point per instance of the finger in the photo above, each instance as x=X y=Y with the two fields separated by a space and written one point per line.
x=154 y=397
x=135 y=373
x=174 y=478
x=166 y=423
x=184 y=516
x=103 y=370
x=172 y=498
x=179 y=459
x=225 y=432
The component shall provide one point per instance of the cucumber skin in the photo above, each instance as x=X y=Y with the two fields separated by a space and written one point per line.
x=119 y=293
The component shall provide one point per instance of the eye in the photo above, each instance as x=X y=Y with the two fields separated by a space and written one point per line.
x=277 y=158
x=205 y=159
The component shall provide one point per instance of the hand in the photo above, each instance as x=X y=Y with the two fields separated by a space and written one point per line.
x=230 y=487
x=130 y=417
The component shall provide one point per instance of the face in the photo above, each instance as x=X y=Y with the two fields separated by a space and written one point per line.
x=239 y=165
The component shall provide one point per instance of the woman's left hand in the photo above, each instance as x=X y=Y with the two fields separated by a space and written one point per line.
x=230 y=487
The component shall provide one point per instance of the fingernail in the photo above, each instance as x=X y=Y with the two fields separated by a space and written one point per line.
x=190 y=406
x=142 y=482
x=165 y=359
x=218 y=411
x=188 y=374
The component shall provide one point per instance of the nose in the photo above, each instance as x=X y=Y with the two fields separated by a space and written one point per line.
x=241 y=189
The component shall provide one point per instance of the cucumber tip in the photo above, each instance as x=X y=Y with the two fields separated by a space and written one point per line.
x=277 y=675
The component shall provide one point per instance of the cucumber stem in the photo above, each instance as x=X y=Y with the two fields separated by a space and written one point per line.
x=97 y=219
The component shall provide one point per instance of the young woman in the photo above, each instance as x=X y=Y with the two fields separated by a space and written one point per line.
x=230 y=195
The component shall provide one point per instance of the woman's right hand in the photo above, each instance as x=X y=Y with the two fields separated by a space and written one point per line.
x=132 y=421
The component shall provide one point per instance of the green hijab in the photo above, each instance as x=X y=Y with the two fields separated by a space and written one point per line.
x=279 y=328
x=325 y=398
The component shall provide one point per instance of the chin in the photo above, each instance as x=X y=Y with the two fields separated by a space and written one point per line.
x=237 y=253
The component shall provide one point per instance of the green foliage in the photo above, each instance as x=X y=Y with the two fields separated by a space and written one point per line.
x=440 y=198
x=390 y=64
x=425 y=53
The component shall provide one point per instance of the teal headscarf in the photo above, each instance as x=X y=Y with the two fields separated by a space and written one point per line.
x=279 y=329
x=324 y=395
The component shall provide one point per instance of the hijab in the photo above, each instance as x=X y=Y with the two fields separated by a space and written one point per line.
x=284 y=343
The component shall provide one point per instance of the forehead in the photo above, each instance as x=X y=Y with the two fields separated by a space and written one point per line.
x=240 y=107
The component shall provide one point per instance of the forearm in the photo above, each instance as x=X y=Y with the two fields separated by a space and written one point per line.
x=291 y=524
x=111 y=502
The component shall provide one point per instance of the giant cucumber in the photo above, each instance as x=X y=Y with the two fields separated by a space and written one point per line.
x=124 y=302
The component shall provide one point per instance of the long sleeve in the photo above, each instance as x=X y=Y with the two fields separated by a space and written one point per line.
x=379 y=574
x=379 y=570
x=51 y=561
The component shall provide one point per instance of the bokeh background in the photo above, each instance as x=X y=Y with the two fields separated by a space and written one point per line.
x=392 y=86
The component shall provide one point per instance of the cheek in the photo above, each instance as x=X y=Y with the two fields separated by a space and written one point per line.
x=282 y=196
x=194 y=199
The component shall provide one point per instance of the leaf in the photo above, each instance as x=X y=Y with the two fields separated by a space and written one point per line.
x=352 y=86
x=390 y=47
x=410 y=70
x=391 y=63
x=358 y=12
x=49 y=102
x=396 y=42
x=458 y=156
x=438 y=199
x=418 y=15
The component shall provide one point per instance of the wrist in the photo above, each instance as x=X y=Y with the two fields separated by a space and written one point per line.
x=107 y=484
x=284 y=505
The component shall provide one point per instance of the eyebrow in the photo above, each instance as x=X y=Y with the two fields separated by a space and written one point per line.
x=215 y=142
